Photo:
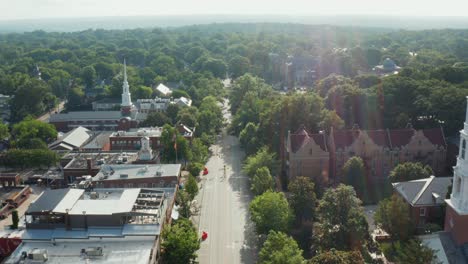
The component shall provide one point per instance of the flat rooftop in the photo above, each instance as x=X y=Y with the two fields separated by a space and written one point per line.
x=79 y=160
x=118 y=252
x=98 y=202
x=140 y=132
x=137 y=171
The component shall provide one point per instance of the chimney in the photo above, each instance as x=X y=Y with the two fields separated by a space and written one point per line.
x=89 y=166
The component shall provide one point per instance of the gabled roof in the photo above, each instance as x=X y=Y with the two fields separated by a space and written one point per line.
x=400 y=137
x=428 y=191
x=380 y=137
x=163 y=89
x=73 y=139
x=345 y=138
x=435 y=135
x=301 y=137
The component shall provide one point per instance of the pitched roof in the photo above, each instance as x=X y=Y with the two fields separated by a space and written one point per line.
x=428 y=191
x=344 y=138
x=86 y=115
x=380 y=137
x=435 y=135
x=163 y=89
x=301 y=137
x=74 y=139
x=400 y=137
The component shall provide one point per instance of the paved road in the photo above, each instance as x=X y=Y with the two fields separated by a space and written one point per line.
x=224 y=200
x=45 y=117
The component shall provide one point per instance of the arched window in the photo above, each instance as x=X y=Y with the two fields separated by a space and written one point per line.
x=463 y=149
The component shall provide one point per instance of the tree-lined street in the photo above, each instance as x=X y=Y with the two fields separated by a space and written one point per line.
x=224 y=199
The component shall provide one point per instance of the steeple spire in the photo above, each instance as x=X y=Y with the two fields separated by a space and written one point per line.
x=125 y=71
x=126 y=96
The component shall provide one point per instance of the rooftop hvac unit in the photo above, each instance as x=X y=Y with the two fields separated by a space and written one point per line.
x=38 y=254
x=94 y=195
x=94 y=251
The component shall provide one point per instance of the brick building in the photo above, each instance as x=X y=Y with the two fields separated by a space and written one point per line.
x=131 y=140
x=128 y=117
x=425 y=197
x=137 y=176
x=456 y=216
x=381 y=150
x=308 y=155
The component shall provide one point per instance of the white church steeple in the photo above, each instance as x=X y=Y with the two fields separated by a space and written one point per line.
x=459 y=196
x=126 y=96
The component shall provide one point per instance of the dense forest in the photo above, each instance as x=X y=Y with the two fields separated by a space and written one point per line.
x=429 y=91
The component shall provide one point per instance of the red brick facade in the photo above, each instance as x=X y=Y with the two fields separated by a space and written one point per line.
x=457 y=225
x=381 y=150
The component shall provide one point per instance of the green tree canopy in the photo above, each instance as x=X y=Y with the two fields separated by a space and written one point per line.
x=31 y=128
x=280 y=249
x=354 y=174
x=175 y=146
x=341 y=221
x=262 y=181
x=4 y=132
x=88 y=74
x=191 y=187
x=393 y=216
x=156 y=119
x=409 y=171
x=302 y=197
x=180 y=243
x=337 y=257
x=263 y=158
x=270 y=211
x=248 y=138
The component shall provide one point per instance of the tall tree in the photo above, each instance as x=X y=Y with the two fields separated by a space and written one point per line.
x=409 y=171
x=262 y=181
x=280 y=249
x=354 y=174
x=302 y=197
x=180 y=243
x=270 y=211
x=263 y=158
x=238 y=66
x=393 y=216
x=191 y=187
x=31 y=128
x=88 y=74
x=341 y=221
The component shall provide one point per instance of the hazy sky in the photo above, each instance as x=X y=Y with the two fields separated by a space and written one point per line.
x=23 y=9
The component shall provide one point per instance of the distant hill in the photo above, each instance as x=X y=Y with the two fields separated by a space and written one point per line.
x=78 y=24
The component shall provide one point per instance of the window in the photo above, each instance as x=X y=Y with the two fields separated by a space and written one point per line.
x=422 y=211
x=463 y=150
x=310 y=151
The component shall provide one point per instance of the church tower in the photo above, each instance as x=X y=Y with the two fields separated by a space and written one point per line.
x=127 y=105
x=456 y=217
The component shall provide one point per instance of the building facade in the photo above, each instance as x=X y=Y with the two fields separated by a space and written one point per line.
x=456 y=217
x=308 y=155
x=426 y=198
x=381 y=151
